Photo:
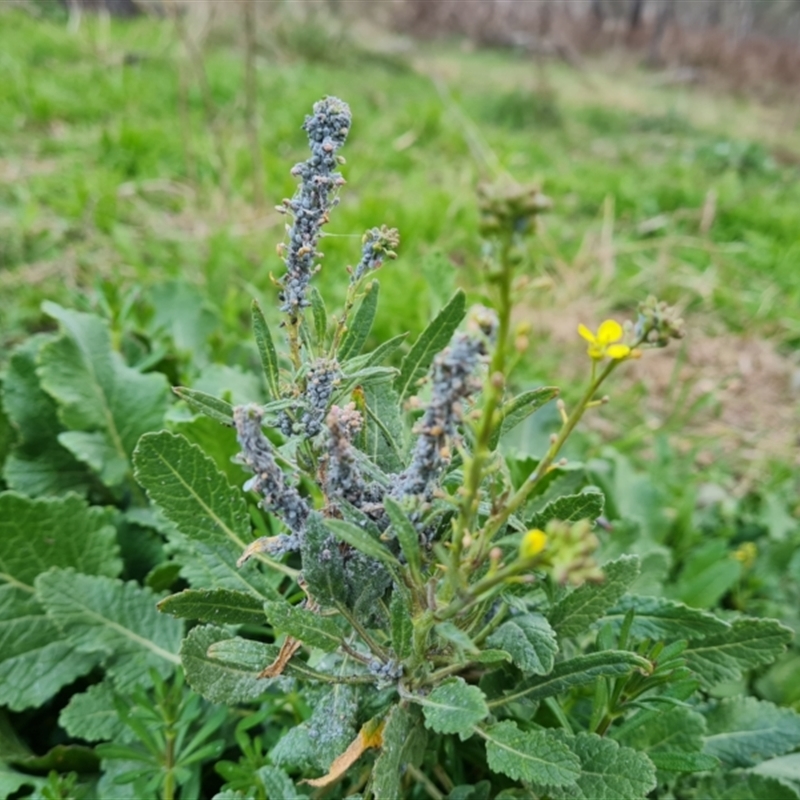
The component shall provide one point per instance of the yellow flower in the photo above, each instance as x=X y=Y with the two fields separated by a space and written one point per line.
x=533 y=542
x=602 y=344
x=746 y=554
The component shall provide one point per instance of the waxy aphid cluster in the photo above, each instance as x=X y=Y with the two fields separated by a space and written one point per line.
x=327 y=129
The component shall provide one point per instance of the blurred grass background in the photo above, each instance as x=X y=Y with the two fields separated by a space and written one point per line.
x=130 y=185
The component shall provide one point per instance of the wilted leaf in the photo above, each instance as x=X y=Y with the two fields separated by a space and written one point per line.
x=370 y=736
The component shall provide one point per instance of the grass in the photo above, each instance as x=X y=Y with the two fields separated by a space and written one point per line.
x=111 y=182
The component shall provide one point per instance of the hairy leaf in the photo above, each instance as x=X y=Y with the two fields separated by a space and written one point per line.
x=519 y=408
x=214 y=408
x=586 y=604
x=320 y=315
x=747 y=644
x=361 y=324
x=454 y=707
x=383 y=426
x=531 y=642
x=323 y=564
x=658 y=618
x=607 y=771
x=219 y=606
x=783 y=768
x=362 y=541
x=304 y=625
x=38 y=464
x=743 y=731
x=404 y=740
x=433 y=339
x=744 y=786
x=91 y=715
x=376 y=356
x=99 y=396
x=532 y=756
x=119 y=620
x=578 y=671
x=406 y=534
x=402 y=626
x=587 y=504
x=211 y=515
x=266 y=350
x=228 y=681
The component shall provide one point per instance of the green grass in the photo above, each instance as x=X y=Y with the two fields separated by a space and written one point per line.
x=107 y=189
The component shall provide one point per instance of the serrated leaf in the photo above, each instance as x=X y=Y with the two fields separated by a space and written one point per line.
x=743 y=731
x=747 y=644
x=607 y=771
x=676 y=730
x=577 y=671
x=587 y=504
x=454 y=707
x=383 y=431
x=402 y=736
x=782 y=768
x=362 y=541
x=320 y=316
x=37 y=464
x=219 y=606
x=744 y=786
x=432 y=340
x=221 y=681
x=531 y=642
x=658 y=618
x=361 y=324
x=214 y=408
x=519 y=408
x=370 y=736
x=11 y=781
x=119 y=620
x=532 y=756
x=92 y=715
x=306 y=626
x=407 y=536
x=278 y=784
x=316 y=743
x=402 y=626
x=211 y=516
x=97 y=393
x=586 y=604
x=266 y=351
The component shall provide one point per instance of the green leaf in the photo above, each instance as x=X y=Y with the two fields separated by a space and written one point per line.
x=361 y=325
x=92 y=715
x=38 y=464
x=532 y=756
x=454 y=707
x=98 y=394
x=220 y=606
x=320 y=316
x=222 y=681
x=743 y=731
x=404 y=741
x=11 y=781
x=607 y=771
x=531 y=642
x=744 y=786
x=383 y=427
x=454 y=635
x=362 y=541
x=682 y=762
x=119 y=620
x=586 y=604
x=519 y=408
x=315 y=743
x=587 y=504
x=304 y=625
x=402 y=626
x=406 y=535
x=432 y=340
x=577 y=671
x=211 y=516
x=266 y=351
x=679 y=729
x=35 y=535
x=323 y=563
x=278 y=784
x=207 y=404
x=748 y=643
x=783 y=768
x=62 y=757
x=658 y=618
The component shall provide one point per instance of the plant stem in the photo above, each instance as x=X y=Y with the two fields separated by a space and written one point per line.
x=362 y=632
x=424 y=781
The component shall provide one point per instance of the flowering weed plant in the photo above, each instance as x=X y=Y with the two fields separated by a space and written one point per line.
x=383 y=600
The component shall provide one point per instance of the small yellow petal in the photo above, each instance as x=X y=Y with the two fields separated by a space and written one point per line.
x=586 y=333
x=609 y=331
x=533 y=542
x=596 y=351
x=618 y=351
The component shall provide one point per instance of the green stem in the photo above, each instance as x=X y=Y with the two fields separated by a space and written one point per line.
x=169 y=764
x=362 y=632
x=424 y=781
